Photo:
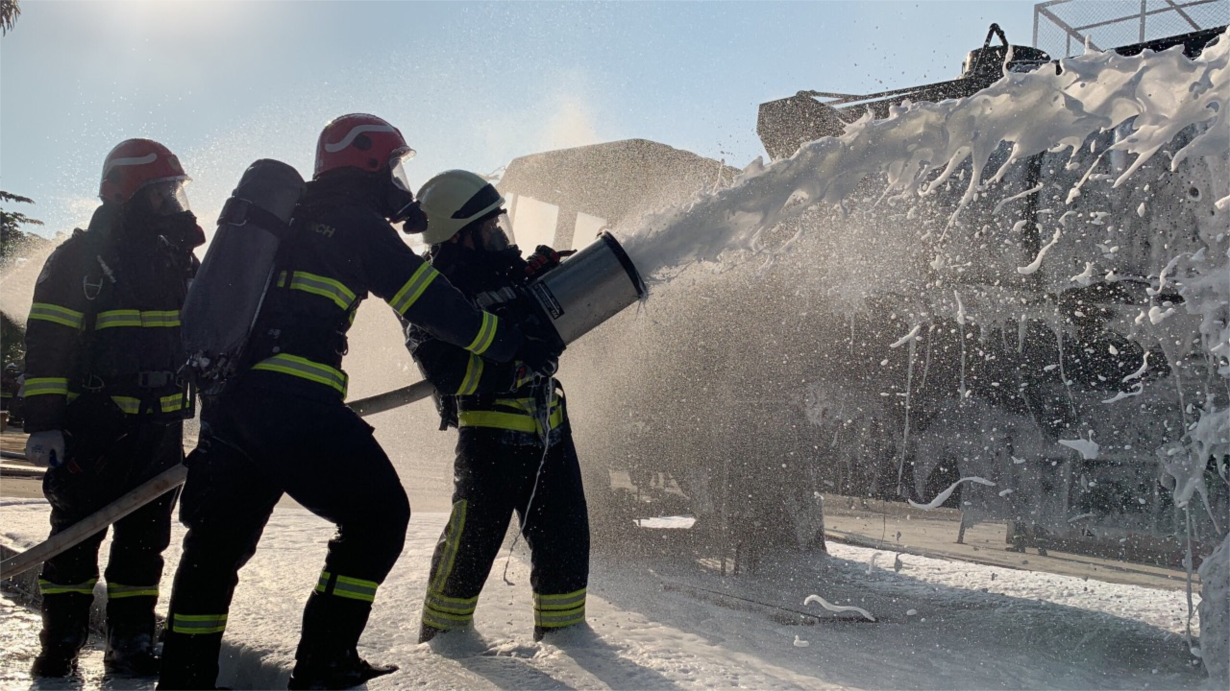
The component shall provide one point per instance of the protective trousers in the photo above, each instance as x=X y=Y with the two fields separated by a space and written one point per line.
x=104 y=462
x=256 y=445
x=492 y=480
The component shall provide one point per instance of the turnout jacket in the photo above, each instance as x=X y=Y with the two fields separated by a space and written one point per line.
x=342 y=250
x=472 y=393
x=103 y=332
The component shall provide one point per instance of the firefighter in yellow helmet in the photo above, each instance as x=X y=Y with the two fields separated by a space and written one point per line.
x=515 y=451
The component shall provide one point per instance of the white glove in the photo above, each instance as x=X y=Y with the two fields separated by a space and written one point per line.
x=46 y=449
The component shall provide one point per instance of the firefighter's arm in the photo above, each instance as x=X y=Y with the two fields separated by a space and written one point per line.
x=57 y=319
x=420 y=295
x=457 y=372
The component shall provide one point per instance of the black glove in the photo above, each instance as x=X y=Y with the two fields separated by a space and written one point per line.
x=539 y=355
x=413 y=218
x=543 y=260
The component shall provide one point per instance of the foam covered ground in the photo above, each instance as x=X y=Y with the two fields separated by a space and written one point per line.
x=672 y=624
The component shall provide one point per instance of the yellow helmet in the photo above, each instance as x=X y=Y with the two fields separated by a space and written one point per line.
x=454 y=199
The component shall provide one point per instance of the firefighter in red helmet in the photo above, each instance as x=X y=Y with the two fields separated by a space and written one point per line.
x=283 y=427
x=103 y=403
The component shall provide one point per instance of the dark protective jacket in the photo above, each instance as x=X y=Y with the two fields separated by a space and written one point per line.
x=103 y=331
x=342 y=250
x=474 y=393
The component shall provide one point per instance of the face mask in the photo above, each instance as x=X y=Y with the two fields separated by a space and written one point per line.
x=156 y=199
x=496 y=238
x=399 y=201
x=180 y=230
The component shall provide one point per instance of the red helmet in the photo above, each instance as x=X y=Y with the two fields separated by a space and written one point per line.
x=360 y=141
x=135 y=163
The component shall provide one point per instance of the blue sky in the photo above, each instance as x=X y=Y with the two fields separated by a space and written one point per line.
x=471 y=85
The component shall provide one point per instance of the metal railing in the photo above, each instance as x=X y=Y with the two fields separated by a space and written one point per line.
x=1065 y=27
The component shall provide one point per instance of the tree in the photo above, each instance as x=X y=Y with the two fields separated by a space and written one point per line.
x=12 y=238
x=12 y=242
x=9 y=10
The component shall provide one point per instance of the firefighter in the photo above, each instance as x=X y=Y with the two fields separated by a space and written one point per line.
x=9 y=386
x=283 y=426
x=515 y=449
x=103 y=403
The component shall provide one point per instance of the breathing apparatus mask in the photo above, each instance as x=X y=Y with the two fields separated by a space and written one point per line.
x=491 y=234
x=160 y=210
x=399 y=203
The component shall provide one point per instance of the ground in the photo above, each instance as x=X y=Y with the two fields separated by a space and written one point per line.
x=674 y=623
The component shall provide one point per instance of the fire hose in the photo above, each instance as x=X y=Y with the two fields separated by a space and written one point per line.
x=167 y=481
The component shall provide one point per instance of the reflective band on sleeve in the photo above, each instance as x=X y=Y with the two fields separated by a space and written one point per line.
x=46 y=587
x=474 y=372
x=172 y=403
x=335 y=291
x=128 y=404
x=46 y=386
x=198 y=623
x=452 y=541
x=348 y=587
x=413 y=288
x=57 y=315
x=486 y=334
x=116 y=591
x=304 y=368
x=136 y=318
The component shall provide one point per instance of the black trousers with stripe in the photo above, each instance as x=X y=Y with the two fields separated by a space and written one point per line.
x=257 y=444
x=494 y=479
x=107 y=457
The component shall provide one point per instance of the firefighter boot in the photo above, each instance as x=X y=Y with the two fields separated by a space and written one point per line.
x=190 y=661
x=66 y=626
x=327 y=657
x=426 y=633
x=340 y=671
x=130 y=637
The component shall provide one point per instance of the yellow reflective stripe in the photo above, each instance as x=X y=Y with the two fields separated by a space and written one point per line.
x=451 y=605
x=517 y=422
x=116 y=590
x=556 y=602
x=172 y=403
x=555 y=611
x=46 y=587
x=282 y=280
x=452 y=542
x=474 y=372
x=322 y=286
x=444 y=622
x=128 y=404
x=149 y=319
x=454 y=619
x=487 y=418
x=486 y=334
x=413 y=288
x=304 y=368
x=46 y=386
x=348 y=587
x=554 y=620
x=198 y=623
x=57 y=315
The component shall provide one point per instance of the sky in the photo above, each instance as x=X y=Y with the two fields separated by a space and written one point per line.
x=471 y=85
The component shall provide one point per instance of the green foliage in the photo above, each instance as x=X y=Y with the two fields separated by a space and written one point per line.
x=9 y=10
x=14 y=242
x=12 y=239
